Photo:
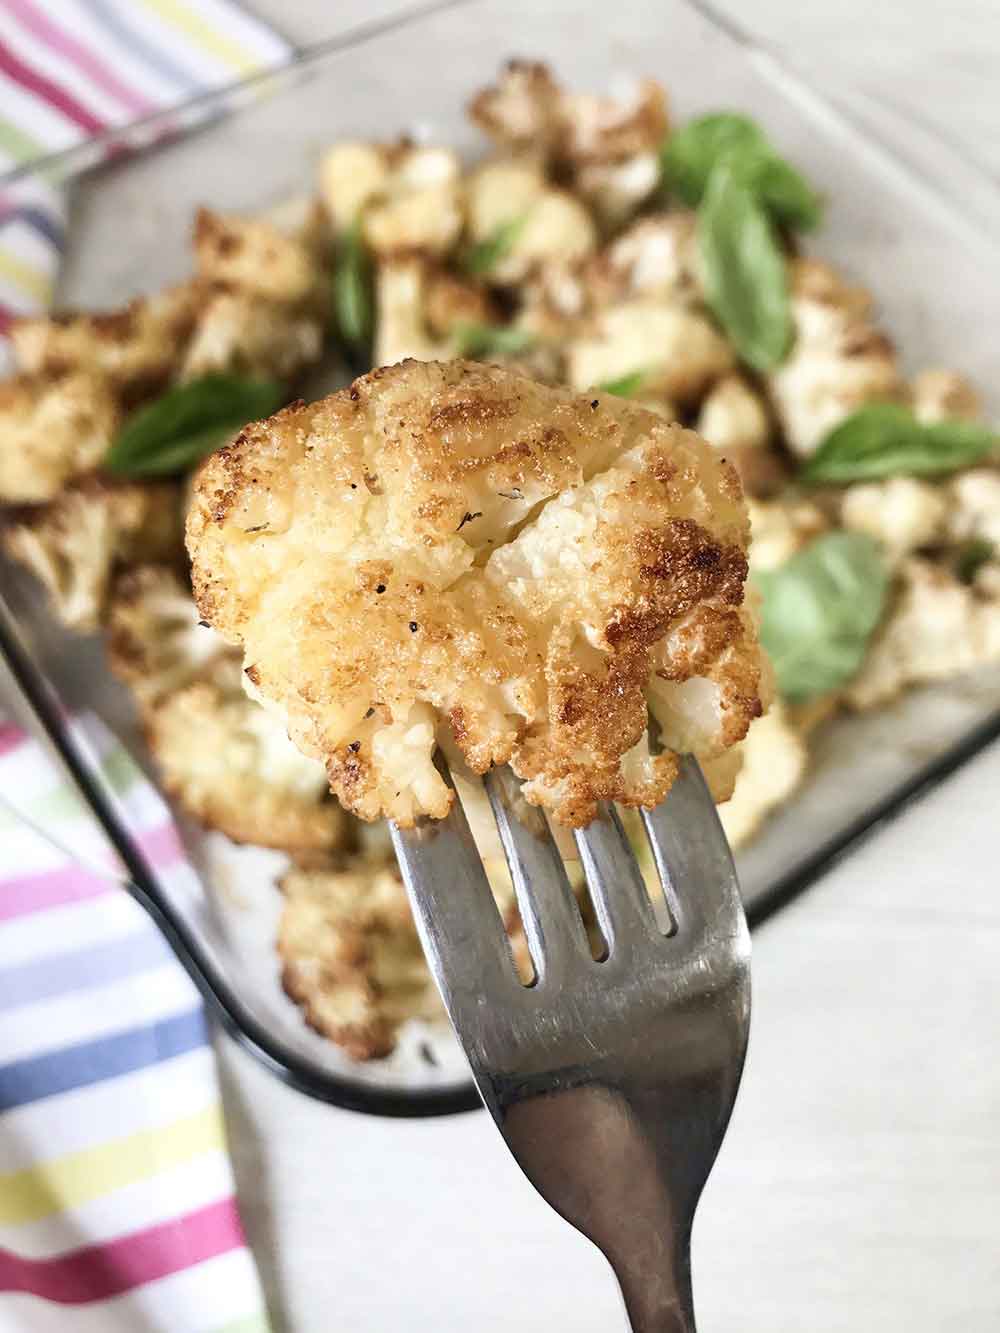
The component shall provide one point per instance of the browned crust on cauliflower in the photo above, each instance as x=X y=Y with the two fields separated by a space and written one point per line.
x=452 y=544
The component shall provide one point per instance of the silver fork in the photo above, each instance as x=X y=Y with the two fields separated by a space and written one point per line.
x=611 y=1081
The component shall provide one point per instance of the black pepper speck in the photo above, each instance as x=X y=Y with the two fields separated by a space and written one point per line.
x=413 y=627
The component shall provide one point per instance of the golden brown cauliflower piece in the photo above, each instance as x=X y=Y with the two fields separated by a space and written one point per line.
x=937 y=627
x=155 y=641
x=351 y=957
x=675 y=350
x=454 y=545
x=254 y=255
x=418 y=306
x=74 y=543
x=52 y=428
x=527 y=110
x=903 y=513
x=942 y=395
x=734 y=417
x=407 y=195
x=246 y=334
x=656 y=257
x=839 y=359
x=549 y=224
x=136 y=348
x=230 y=765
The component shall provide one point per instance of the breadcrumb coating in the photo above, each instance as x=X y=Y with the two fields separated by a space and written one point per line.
x=53 y=428
x=452 y=545
x=75 y=543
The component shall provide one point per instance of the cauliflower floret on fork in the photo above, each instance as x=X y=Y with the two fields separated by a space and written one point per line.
x=449 y=546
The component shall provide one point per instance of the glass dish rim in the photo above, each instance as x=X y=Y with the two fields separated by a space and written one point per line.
x=221 y=1000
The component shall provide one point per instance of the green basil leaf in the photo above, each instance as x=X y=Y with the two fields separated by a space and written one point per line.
x=478 y=340
x=688 y=158
x=819 y=611
x=787 y=196
x=624 y=387
x=689 y=155
x=746 y=285
x=886 y=440
x=483 y=257
x=188 y=422
x=971 y=557
x=353 y=295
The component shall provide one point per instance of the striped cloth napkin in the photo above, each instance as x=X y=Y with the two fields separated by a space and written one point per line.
x=73 y=69
x=116 y=1193
x=117 y=1210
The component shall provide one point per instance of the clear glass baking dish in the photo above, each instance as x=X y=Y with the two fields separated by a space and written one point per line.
x=932 y=268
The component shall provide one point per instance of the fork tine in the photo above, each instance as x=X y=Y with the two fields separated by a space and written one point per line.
x=454 y=909
x=549 y=911
x=621 y=902
x=693 y=858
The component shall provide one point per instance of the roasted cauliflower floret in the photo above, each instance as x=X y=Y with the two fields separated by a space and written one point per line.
x=781 y=527
x=526 y=110
x=903 y=513
x=351 y=957
x=972 y=504
x=52 y=428
x=419 y=306
x=136 y=348
x=406 y=195
x=674 y=350
x=548 y=224
x=943 y=395
x=521 y=111
x=773 y=765
x=255 y=256
x=229 y=764
x=74 y=543
x=370 y=553
x=245 y=334
x=656 y=257
x=615 y=191
x=155 y=641
x=938 y=627
x=735 y=419
x=839 y=359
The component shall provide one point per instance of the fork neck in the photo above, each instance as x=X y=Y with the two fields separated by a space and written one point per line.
x=658 y=1300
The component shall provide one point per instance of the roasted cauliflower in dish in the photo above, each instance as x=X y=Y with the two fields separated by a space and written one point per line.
x=54 y=428
x=351 y=958
x=231 y=766
x=454 y=545
x=74 y=543
x=524 y=539
x=136 y=348
x=156 y=643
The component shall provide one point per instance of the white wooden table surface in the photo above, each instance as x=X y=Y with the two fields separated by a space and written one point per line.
x=858 y=1187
